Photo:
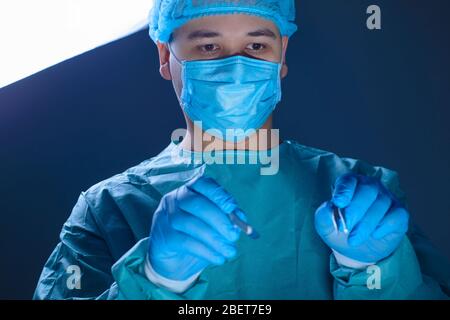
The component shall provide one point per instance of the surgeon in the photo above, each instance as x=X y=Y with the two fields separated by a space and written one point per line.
x=176 y=225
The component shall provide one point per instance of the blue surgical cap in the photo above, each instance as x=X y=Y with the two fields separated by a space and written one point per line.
x=168 y=15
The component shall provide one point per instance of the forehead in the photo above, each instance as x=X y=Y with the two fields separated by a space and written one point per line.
x=228 y=24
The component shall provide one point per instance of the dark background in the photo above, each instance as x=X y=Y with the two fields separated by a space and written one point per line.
x=381 y=96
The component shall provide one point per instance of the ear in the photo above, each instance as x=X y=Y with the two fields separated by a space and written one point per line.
x=164 y=56
x=284 y=68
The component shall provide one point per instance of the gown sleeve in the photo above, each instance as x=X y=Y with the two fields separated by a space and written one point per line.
x=416 y=270
x=83 y=250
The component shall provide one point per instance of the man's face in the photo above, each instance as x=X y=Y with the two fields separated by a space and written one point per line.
x=221 y=36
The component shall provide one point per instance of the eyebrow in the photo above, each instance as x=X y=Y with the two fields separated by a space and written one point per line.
x=263 y=33
x=201 y=34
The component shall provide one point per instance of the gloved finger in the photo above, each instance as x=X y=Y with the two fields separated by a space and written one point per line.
x=395 y=221
x=323 y=220
x=208 y=187
x=218 y=195
x=364 y=196
x=199 y=230
x=344 y=188
x=370 y=221
x=199 y=206
x=189 y=245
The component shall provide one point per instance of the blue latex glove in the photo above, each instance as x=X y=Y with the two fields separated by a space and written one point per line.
x=375 y=219
x=191 y=229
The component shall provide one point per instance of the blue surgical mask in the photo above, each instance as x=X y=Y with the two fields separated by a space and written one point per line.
x=231 y=93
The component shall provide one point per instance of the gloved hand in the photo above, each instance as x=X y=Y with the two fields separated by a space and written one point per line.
x=191 y=229
x=375 y=219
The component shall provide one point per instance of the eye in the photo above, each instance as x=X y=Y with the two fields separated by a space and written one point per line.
x=208 y=48
x=256 y=47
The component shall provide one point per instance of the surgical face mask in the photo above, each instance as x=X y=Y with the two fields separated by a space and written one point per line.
x=237 y=93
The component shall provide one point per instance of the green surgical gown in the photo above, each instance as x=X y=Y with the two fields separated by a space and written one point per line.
x=107 y=232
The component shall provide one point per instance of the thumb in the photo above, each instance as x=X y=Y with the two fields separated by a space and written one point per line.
x=344 y=190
